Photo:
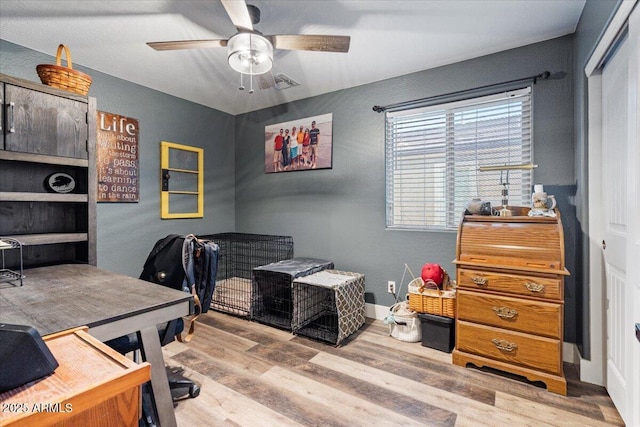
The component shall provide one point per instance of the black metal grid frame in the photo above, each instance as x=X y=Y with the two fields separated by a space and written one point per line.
x=272 y=289
x=319 y=304
x=328 y=306
x=239 y=254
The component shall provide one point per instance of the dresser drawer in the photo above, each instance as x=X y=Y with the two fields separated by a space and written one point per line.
x=541 y=287
x=532 y=316
x=509 y=346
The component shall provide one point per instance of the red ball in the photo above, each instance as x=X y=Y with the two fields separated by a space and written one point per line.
x=433 y=272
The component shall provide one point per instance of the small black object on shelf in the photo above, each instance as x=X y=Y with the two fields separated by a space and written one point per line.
x=60 y=182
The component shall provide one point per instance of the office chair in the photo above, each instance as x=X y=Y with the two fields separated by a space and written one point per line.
x=175 y=261
x=180 y=386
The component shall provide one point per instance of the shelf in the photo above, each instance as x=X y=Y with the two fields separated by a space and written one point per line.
x=57 y=137
x=520 y=214
x=43 y=158
x=27 y=84
x=6 y=274
x=19 y=196
x=49 y=238
x=514 y=218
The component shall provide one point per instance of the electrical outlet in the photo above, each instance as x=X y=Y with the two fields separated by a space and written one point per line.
x=391 y=287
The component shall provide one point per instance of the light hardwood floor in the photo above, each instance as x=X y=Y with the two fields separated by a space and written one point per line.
x=255 y=375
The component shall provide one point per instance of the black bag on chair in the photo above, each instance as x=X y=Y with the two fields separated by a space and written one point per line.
x=184 y=263
x=162 y=264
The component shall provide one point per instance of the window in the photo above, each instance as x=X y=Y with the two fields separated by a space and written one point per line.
x=433 y=154
x=182 y=181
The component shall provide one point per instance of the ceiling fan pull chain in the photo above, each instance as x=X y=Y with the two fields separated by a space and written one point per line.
x=241 y=84
x=251 y=77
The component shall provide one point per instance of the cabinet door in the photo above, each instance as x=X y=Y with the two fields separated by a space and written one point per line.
x=42 y=123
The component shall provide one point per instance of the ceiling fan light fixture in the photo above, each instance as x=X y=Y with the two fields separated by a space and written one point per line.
x=250 y=53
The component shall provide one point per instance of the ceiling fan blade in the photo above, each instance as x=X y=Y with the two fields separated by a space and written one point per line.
x=187 y=44
x=311 y=42
x=239 y=14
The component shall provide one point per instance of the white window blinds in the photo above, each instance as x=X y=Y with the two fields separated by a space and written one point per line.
x=433 y=154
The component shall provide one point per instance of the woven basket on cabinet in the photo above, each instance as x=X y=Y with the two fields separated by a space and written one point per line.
x=65 y=78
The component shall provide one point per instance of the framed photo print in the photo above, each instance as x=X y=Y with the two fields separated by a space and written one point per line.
x=299 y=145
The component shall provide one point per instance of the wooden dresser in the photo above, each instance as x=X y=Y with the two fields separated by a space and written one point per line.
x=510 y=277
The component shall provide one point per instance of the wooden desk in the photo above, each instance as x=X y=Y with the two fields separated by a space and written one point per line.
x=92 y=386
x=61 y=297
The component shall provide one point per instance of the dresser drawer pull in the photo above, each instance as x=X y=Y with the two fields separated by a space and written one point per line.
x=480 y=281
x=534 y=287
x=505 y=312
x=504 y=345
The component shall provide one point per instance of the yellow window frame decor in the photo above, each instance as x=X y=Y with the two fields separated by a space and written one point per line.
x=181 y=181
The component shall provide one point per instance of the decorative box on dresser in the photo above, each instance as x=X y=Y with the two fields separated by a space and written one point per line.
x=47 y=133
x=510 y=298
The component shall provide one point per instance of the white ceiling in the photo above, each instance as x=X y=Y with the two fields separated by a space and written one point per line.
x=388 y=39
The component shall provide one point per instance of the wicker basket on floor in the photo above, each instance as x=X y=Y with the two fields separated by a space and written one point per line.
x=427 y=298
x=65 y=78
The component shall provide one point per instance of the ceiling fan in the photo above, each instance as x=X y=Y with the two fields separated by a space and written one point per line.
x=249 y=51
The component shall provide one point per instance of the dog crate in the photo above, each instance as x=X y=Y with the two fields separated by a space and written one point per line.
x=239 y=254
x=328 y=306
x=272 y=300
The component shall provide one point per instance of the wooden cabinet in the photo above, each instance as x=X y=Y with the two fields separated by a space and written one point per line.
x=47 y=131
x=510 y=300
x=42 y=123
x=92 y=386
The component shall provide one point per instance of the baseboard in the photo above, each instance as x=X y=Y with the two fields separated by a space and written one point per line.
x=591 y=372
x=375 y=311
x=570 y=353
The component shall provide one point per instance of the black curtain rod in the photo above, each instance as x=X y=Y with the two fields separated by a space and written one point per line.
x=542 y=76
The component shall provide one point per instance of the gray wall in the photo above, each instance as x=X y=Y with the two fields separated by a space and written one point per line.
x=339 y=214
x=593 y=21
x=127 y=231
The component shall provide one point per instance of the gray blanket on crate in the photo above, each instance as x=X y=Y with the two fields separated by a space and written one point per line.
x=294 y=268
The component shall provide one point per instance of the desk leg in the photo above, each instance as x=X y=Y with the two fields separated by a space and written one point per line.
x=152 y=353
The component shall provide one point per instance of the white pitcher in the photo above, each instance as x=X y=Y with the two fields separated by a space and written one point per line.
x=540 y=199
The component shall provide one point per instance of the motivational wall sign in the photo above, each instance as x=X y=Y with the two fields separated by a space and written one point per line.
x=117 y=158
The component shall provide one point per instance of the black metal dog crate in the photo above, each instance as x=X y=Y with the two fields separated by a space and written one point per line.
x=329 y=305
x=272 y=299
x=239 y=254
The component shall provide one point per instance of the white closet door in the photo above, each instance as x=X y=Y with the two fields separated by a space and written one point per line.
x=620 y=223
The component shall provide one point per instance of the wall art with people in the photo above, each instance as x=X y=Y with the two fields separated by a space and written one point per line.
x=298 y=145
